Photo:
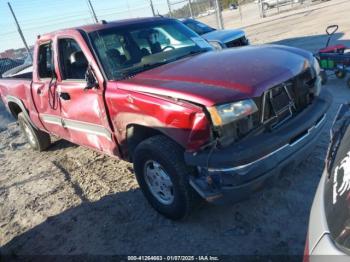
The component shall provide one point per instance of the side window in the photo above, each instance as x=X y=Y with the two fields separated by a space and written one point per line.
x=45 y=62
x=73 y=63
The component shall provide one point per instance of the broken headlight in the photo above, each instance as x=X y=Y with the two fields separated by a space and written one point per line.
x=227 y=113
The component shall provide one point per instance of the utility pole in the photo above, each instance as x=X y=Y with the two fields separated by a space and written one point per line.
x=152 y=7
x=92 y=11
x=190 y=6
x=219 y=15
x=169 y=6
x=20 y=31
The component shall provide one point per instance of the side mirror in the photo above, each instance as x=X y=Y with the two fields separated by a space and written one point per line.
x=90 y=78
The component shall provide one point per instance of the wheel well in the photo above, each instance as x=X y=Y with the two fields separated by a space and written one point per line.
x=136 y=134
x=15 y=109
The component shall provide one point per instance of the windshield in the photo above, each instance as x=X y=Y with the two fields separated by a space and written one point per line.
x=127 y=50
x=198 y=27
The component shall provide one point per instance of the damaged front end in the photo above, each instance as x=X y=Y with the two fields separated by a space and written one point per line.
x=269 y=111
x=270 y=132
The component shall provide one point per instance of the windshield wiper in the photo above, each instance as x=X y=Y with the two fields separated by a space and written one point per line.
x=191 y=53
x=142 y=68
x=150 y=66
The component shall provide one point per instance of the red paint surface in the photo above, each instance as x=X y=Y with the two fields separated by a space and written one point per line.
x=170 y=98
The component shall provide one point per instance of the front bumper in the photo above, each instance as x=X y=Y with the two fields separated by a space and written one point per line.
x=233 y=172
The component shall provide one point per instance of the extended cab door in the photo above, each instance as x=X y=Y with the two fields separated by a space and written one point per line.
x=44 y=93
x=83 y=111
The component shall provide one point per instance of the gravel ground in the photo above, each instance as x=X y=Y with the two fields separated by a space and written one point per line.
x=71 y=200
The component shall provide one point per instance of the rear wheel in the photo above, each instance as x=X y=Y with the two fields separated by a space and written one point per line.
x=164 y=178
x=340 y=74
x=37 y=139
x=348 y=82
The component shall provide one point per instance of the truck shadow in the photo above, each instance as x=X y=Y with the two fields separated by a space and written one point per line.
x=60 y=144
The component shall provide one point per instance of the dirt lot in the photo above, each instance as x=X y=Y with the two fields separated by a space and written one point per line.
x=71 y=200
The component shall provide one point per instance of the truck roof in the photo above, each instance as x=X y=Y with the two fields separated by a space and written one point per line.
x=98 y=26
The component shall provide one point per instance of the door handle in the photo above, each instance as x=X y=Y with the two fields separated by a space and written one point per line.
x=64 y=96
x=39 y=91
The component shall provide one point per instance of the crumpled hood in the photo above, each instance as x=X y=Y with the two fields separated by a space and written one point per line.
x=222 y=76
x=224 y=35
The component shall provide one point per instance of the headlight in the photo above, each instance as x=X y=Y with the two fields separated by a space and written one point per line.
x=216 y=45
x=227 y=113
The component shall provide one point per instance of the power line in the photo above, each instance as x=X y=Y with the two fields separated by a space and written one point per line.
x=152 y=7
x=20 y=30
x=36 y=25
x=92 y=11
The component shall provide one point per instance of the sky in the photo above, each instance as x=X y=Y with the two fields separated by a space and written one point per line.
x=41 y=16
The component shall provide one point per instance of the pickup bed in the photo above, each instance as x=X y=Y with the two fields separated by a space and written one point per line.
x=193 y=121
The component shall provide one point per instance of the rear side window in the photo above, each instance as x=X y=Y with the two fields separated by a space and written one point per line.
x=45 y=64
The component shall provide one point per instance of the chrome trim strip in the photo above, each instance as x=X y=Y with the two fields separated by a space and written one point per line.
x=51 y=119
x=78 y=126
x=316 y=126
x=87 y=127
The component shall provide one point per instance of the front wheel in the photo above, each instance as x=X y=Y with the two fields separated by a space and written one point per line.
x=164 y=178
x=37 y=139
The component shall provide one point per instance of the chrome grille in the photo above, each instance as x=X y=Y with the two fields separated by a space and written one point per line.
x=284 y=101
x=288 y=100
x=237 y=42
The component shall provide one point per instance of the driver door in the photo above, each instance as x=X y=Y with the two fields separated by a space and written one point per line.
x=83 y=111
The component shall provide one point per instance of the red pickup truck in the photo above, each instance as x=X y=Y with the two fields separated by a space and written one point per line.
x=193 y=121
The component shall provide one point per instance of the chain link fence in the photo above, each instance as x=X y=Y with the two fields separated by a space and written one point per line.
x=273 y=7
x=206 y=11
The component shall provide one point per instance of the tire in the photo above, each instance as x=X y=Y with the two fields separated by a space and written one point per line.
x=341 y=74
x=37 y=139
x=348 y=82
x=162 y=155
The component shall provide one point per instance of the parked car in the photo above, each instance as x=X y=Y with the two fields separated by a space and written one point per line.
x=329 y=225
x=193 y=122
x=233 y=6
x=268 y=4
x=7 y=64
x=14 y=70
x=219 y=39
